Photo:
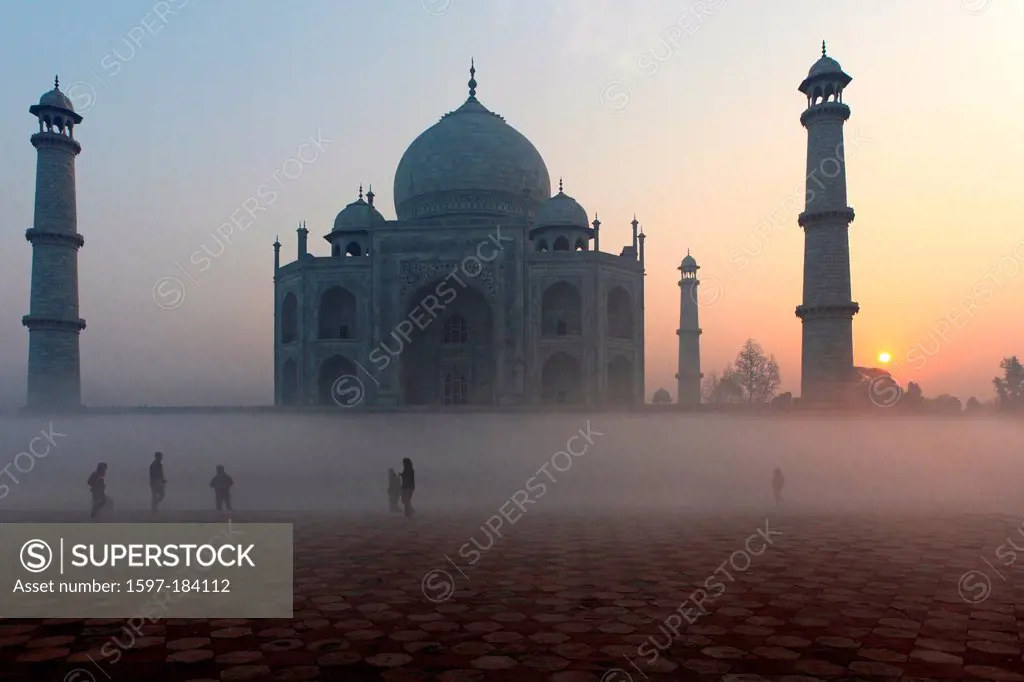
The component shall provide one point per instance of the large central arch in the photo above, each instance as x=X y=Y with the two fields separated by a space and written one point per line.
x=451 y=360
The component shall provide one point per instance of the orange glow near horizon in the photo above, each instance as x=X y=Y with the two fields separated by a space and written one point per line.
x=884 y=358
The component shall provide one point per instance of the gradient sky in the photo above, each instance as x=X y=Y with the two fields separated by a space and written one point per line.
x=183 y=128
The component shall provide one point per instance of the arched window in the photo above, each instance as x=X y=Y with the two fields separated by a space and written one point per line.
x=561 y=310
x=561 y=244
x=455 y=332
x=620 y=314
x=353 y=249
x=542 y=246
x=562 y=380
x=289 y=319
x=337 y=315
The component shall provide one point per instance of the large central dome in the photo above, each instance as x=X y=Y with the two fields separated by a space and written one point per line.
x=470 y=162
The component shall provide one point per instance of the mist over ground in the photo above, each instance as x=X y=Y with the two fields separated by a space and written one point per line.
x=708 y=463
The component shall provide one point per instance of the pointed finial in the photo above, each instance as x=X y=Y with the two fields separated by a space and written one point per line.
x=687 y=252
x=360 y=191
x=635 y=221
x=56 y=83
x=472 y=78
x=559 y=185
x=823 y=49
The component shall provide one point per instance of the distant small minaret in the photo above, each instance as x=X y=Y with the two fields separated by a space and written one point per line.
x=827 y=310
x=54 y=371
x=689 y=376
x=304 y=237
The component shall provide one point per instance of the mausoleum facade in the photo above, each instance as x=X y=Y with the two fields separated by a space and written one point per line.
x=486 y=289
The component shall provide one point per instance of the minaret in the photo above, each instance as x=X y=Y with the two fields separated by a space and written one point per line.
x=689 y=376
x=642 y=355
x=54 y=374
x=277 y=323
x=827 y=310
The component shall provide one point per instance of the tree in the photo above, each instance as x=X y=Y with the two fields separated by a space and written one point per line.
x=661 y=397
x=707 y=385
x=724 y=389
x=973 y=405
x=914 y=397
x=1010 y=387
x=756 y=373
x=947 y=403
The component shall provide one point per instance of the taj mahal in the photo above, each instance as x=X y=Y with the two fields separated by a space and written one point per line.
x=488 y=289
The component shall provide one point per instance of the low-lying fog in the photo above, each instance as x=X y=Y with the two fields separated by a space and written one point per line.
x=706 y=462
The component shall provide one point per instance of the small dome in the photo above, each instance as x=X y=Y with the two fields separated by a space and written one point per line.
x=561 y=210
x=689 y=263
x=56 y=98
x=358 y=215
x=823 y=66
x=662 y=397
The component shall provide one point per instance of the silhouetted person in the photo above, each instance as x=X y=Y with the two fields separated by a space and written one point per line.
x=394 y=489
x=221 y=484
x=408 y=486
x=157 y=482
x=778 y=481
x=98 y=488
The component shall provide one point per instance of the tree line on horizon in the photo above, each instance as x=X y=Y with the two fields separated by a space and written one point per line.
x=753 y=379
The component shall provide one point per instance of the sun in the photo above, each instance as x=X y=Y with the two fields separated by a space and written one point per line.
x=884 y=358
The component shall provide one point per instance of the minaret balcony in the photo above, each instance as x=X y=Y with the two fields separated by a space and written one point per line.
x=37 y=236
x=834 y=310
x=810 y=219
x=34 y=322
x=48 y=138
x=825 y=110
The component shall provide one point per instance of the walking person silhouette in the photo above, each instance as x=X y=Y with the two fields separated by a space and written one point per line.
x=98 y=488
x=778 y=481
x=408 y=486
x=157 y=482
x=221 y=484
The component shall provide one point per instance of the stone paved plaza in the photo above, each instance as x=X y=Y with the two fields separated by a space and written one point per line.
x=604 y=597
